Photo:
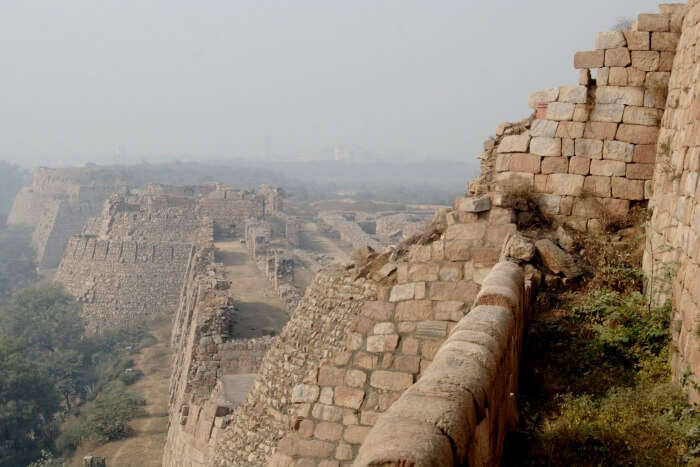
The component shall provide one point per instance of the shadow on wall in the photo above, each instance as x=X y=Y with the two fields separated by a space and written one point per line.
x=256 y=319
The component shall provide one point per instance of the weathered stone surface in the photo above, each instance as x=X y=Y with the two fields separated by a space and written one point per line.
x=618 y=76
x=597 y=185
x=608 y=168
x=514 y=143
x=431 y=330
x=642 y=116
x=618 y=151
x=472 y=204
x=610 y=40
x=579 y=165
x=627 y=189
x=573 y=94
x=607 y=113
x=402 y=292
x=305 y=393
x=591 y=148
x=552 y=165
x=590 y=59
x=544 y=96
x=565 y=184
x=566 y=239
x=664 y=41
x=390 y=380
x=640 y=171
x=637 y=134
x=617 y=57
x=653 y=22
x=619 y=95
x=543 y=146
x=570 y=129
x=560 y=111
x=637 y=40
x=600 y=130
x=519 y=247
x=544 y=128
x=557 y=260
x=646 y=60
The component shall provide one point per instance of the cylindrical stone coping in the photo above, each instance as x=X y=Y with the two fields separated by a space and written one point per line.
x=460 y=409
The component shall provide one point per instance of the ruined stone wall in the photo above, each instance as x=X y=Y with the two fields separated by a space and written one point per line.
x=588 y=153
x=206 y=358
x=315 y=331
x=672 y=257
x=122 y=281
x=230 y=209
x=61 y=220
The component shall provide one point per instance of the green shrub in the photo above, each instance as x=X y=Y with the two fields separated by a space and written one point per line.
x=130 y=376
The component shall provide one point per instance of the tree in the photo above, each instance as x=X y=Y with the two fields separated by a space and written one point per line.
x=17 y=267
x=28 y=403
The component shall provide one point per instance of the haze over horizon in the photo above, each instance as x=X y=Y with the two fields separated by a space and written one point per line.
x=117 y=82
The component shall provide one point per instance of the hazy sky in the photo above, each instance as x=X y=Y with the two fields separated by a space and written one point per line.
x=85 y=80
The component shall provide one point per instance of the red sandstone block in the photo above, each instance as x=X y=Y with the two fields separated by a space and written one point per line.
x=495 y=234
x=600 y=130
x=369 y=417
x=485 y=256
x=597 y=185
x=348 y=397
x=362 y=325
x=555 y=165
x=644 y=154
x=664 y=41
x=355 y=434
x=415 y=310
x=328 y=431
x=355 y=378
x=410 y=345
x=314 y=448
x=390 y=380
x=423 y=272
x=637 y=134
x=458 y=250
x=616 y=207
x=430 y=348
x=451 y=271
x=366 y=360
x=589 y=59
x=627 y=189
x=471 y=231
x=459 y=290
x=378 y=310
x=640 y=171
x=409 y=363
x=330 y=376
x=579 y=165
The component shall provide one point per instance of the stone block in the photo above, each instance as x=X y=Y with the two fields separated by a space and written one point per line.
x=471 y=231
x=552 y=165
x=657 y=81
x=627 y=189
x=664 y=41
x=597 y=185
x=514 y=143
x=608 y=168
x=314 y=448
x=637 y=134
x=378 y=310
x=542 y=146
x=544 y=128
x=544 y=96
x=355 y=378
x=618 y=76
x=579 y=165
x=666 y=62
x=591 y=148
x=610 y=40
x=557 y=260
x=567 y=147
x=646 y=60
x=600 y=130
x=390 y=380
x=618 y=151
x=408 y=363
x=616 y=207
x=573 y=94
x=515 y=180
x=414 y=310
x=355 y=434
x=526 y=163
x=642 y=116
x=589 y=59
x=349 y=397
x=489 y=256
x=607 y=113
x=453 y=290
x=305 y=393
x=327 y=431
x=560 y=111
x=474 y=204
x=385 y=327
x=458 y=250
x=619 y=95
x=565 y=184
x=584 y=77
x=330 y=375
x=653 y=22
x=519 y=247
x=405 y=291
x=638 y=40
x=582 y=112
x=618 y=57
x=384 y=343
x=570 y=129
x=640 y=171
x=644 y=154
x=636 y=77
x=327 y=413
x=602 y=76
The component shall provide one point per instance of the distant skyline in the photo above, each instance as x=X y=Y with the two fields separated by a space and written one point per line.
x=121 y=81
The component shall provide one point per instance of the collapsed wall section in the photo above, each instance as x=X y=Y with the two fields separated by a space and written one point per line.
x=122 y=281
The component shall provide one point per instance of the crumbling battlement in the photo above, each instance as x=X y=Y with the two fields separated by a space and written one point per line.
x=122 y=281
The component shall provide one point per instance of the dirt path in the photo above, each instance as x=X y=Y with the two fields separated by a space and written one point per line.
x=145 y=447
x=260 y=310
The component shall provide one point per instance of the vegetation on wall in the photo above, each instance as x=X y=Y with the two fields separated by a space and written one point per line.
x=595 y=381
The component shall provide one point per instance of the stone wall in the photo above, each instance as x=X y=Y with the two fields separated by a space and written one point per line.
x=588 y=152
x=122 y=281
x=673 y=238
x=461 y=409
x=230 y=209
x=349 y=230
x=207 y=360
